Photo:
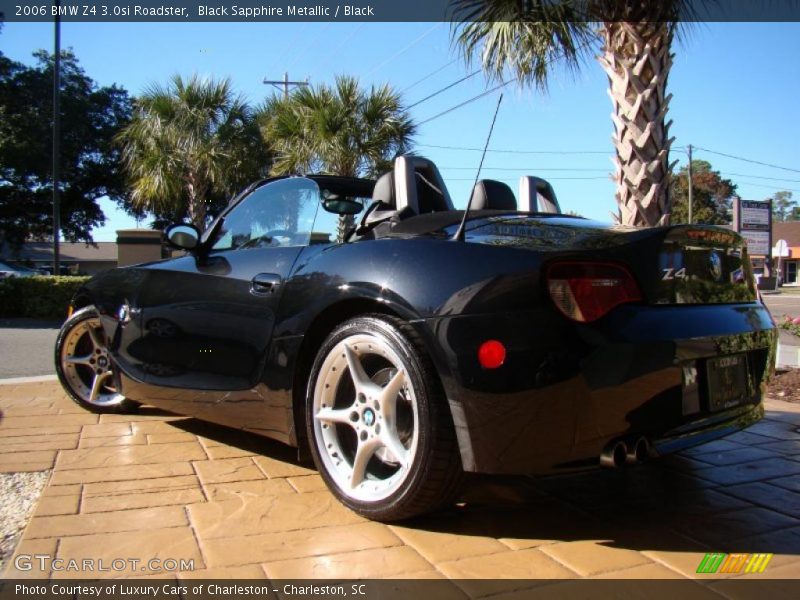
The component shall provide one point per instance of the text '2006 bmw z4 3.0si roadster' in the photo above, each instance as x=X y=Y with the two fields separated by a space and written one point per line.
x=360 y=320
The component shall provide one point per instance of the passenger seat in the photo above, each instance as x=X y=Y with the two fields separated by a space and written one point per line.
x=489 y=194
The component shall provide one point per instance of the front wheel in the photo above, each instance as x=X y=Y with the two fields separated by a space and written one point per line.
x=84 y=366
x=380 y=430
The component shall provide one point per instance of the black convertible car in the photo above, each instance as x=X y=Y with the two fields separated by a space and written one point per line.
x=358 y=320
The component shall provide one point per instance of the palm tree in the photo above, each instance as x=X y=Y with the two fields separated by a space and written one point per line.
x=339 y=130
x=525 y=38
x=190 y=141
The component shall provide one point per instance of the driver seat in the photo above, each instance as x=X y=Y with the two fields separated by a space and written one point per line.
x=385 y=195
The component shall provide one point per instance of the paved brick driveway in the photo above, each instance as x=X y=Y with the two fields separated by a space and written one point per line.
x=155 y=485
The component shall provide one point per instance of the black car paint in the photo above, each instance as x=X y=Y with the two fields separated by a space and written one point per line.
x=565 y=390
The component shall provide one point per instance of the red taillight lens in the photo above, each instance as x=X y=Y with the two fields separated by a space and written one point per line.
x=585 y=291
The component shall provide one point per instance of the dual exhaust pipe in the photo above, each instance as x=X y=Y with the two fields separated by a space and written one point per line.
x=619 y=453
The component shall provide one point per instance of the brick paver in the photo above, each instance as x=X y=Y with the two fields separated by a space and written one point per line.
x=154 y=485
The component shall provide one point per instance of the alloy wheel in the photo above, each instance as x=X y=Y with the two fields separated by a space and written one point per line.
x=365 y=418
x=87 y=366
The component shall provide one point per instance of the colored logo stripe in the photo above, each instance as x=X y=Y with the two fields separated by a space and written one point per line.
x=721 y=562
x=711 y=562
x=757 y=563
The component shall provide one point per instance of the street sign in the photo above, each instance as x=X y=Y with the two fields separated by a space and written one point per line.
x=781 y=249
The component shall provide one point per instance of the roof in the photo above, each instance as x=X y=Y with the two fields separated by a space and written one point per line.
x=69 y=251
x=787 y=230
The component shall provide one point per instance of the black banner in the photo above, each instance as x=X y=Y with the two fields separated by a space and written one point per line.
x=336 y=10
x=189 y=589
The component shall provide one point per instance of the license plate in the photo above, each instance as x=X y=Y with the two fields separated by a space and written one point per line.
x=727 y=381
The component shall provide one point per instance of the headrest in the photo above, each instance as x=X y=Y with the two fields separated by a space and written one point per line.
x=494 y=195
x=384 y=190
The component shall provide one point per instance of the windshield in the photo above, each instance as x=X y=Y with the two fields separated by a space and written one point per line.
x=280 y=213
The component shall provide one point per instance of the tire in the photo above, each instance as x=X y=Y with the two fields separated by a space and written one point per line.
x=378 y=423
x=84 y=367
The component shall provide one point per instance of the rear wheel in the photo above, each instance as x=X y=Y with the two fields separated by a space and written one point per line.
x=381 y=434
x=84 y=366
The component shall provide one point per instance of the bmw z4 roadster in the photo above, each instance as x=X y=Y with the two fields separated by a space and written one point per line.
x=404 y=344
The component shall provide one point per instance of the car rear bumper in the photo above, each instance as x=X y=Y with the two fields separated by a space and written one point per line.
x=566 y=391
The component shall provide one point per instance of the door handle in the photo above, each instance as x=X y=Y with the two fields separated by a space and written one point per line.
x=265 y=283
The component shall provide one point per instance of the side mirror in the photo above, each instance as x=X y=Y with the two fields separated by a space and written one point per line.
x=183 y=236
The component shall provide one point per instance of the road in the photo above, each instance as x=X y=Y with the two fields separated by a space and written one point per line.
x=26 y=346
x=783 y=304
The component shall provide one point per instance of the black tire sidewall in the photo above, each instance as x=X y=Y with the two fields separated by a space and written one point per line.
x=424 y=393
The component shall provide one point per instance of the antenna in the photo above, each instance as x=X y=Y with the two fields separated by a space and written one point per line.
x=459 y=235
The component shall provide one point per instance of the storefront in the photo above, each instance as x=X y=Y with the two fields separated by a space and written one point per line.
x=789 y=232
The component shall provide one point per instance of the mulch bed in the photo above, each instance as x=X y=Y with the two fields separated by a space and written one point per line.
x=785 y=385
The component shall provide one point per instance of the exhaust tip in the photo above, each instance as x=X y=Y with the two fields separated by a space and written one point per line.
x=614 y=454
x=638 y=452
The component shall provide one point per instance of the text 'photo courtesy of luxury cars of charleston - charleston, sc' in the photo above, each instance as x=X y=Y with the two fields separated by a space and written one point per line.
x=171 y=591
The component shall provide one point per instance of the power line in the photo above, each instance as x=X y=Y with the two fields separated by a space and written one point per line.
x=770 y=187
x=444 y=89
x=515 y=151
x=759 y=177
x=337 y=49
x=429 y=75
x=309 y=47
x=749 y=160
x=479 y=96
x=473 y=99
x=403 y=50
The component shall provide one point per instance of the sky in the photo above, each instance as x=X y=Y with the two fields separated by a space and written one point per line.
x=735 y=90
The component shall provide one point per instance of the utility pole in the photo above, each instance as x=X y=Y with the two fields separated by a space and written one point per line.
x=285 y=83
x=690 y=184
x=57 y=142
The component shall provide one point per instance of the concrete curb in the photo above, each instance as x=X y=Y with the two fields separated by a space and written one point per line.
x=34 y=379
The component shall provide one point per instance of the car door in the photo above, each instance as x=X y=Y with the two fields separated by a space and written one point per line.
x=207 y=318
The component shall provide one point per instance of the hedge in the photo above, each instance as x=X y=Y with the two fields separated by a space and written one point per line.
x=38 y=297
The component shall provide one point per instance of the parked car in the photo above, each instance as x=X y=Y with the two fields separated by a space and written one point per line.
x=355 y=319
x=7 y=270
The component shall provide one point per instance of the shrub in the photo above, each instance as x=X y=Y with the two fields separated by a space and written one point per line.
x=791 y=325
x=38 y=297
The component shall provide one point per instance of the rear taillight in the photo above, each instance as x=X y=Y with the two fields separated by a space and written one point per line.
x=585 y=291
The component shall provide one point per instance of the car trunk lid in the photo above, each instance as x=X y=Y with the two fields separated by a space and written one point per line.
x=681 y=264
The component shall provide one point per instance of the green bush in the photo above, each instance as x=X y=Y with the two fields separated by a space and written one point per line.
x=38 y=297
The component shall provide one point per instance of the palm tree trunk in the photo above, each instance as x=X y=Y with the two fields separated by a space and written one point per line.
x=345 y=223
x=196 y=206
x=637 y=59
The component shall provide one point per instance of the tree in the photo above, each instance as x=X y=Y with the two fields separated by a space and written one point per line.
x=526 y=37
x=712 y=196
x=339 y=130
x=783 y=207
x=190 y=145
x=90 y=163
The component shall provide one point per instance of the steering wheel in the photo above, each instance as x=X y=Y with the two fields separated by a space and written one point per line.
x=362 y=224
x=267 y=237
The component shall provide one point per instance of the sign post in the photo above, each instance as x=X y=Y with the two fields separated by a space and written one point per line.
x=781 y=250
